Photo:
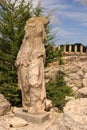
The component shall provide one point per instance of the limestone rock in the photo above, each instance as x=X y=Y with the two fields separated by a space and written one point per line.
x=17 y=122
x=74 y=89
x=72 y=69
x=85 y=76
x=84 y=82
x=83 y=92
x=4 y=125
x=80 y=73
x=73 y=76
x=84 y=67
x=48 y=104
x=68 y=98
x=12 y=129
x=75 y=115
x=78 y=83
x=4 y=105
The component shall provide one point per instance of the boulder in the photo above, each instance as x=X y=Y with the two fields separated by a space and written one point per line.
x=83 y=92
x=84 y=82
x=80 y=73
x=4 y=125
x=4 y=105
x=84 y=67
x=75 y=115
x=48 y=104
x=17 y=122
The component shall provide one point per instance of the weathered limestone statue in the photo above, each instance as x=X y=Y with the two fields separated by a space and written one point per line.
x=30 y=65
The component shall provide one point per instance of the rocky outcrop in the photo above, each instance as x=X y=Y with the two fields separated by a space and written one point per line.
x=4 y=105
x=75 y=115
x=75 y=70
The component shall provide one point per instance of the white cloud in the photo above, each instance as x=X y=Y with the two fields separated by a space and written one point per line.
x=62 y=35
x=83 y=2
x=77 y=16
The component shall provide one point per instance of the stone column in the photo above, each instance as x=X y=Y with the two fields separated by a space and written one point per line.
x=75 y=48
x=81 y=49
x=64 y=48
x=70 y=47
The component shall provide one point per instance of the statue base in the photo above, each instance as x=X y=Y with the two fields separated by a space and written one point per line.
x=39 y=118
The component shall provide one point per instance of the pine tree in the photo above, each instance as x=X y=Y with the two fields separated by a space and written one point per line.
x=12 y=21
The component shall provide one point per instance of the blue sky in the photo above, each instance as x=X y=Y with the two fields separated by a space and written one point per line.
x=68 y=20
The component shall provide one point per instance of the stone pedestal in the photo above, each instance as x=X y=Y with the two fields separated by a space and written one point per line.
x=40 y=118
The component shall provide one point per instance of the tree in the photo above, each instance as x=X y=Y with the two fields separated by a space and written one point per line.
x=38 y=10
x=12 y=21
x=57 y=90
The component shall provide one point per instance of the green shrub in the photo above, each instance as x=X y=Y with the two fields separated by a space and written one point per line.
x=57 y=90
x=12 y=94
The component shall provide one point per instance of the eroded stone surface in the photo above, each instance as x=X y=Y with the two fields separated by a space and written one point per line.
x=4 y=125
x=75 y=115
x=83 y=92
x=4 y=105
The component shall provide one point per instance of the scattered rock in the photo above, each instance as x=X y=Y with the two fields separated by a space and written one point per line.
x=4 y=105
x=75 y=89
x=85 y=76
x=48 y=104
x=83 y=92
x=75 y=115
x=80 y=73
x=68 y=98
x=84 y=82
x=17 y=122
x=84 y=67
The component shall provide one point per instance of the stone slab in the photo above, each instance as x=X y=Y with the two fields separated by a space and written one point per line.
x=40 y=118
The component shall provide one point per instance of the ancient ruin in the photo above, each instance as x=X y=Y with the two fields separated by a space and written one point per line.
x=74 y=49
x=30 y=66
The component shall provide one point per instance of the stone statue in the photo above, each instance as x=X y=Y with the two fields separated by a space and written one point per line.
x=30 y=65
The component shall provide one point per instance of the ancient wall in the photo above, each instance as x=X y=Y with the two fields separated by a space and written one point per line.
x=74 y=49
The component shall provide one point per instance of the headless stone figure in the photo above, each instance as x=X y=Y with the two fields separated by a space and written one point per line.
x=30 y=66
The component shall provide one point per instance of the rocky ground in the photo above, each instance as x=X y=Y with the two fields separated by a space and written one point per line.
x=74 y=117
x=8 y=120
x=11 y=122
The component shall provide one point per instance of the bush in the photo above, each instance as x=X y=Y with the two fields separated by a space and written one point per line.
x=57 y=90
x=12 y=94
